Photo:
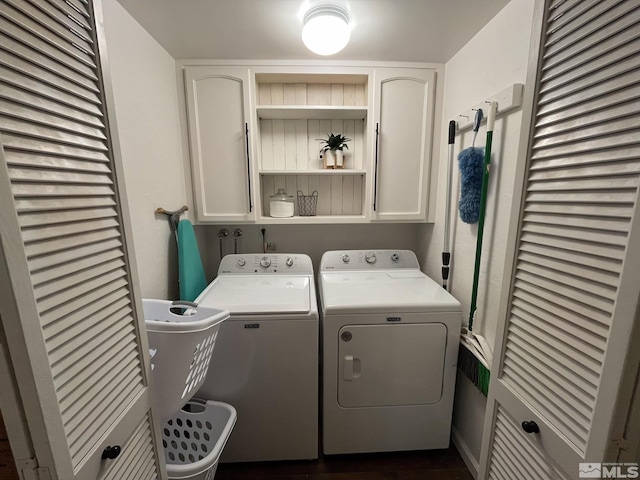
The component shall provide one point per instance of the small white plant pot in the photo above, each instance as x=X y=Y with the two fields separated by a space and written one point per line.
x=329 y=159
x=339 y=159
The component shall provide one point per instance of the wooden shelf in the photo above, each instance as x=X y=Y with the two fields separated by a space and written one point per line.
x=328 y=171
x=314 y=219
x=306 y=112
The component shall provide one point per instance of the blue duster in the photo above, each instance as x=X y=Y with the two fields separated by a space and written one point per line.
x=470 y=161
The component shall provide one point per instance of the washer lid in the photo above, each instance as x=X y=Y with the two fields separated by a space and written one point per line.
x=255 y=294
x=389 y=291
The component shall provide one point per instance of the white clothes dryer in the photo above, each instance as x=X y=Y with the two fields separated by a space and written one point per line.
x=390 y=347
x=265 y=362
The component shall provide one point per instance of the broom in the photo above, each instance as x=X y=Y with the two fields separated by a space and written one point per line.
x=474 y=360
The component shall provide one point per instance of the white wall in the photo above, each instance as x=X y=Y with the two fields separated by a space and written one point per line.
x=145 y=94
x=493 y=60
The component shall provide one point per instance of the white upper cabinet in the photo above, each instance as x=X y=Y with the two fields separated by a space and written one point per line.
x=402 y=136
x=254 y=130
x=218 y=114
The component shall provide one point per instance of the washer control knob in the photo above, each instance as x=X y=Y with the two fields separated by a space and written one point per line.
x=370 y=257
x=241 y=262
x=345 y=258
x=289 y=262
x=395 y=257
x=265 y=262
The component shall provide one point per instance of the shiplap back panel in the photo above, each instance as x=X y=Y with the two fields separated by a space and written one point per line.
x=54 y=134
x=516 y=456
x=581 y=194
x=295 y=145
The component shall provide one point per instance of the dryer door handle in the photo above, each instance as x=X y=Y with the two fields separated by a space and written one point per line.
x=351 y=368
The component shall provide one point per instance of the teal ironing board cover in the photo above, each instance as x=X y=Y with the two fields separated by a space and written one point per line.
x=190 y=270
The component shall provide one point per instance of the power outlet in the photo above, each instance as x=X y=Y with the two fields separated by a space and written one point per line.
x=271 y=247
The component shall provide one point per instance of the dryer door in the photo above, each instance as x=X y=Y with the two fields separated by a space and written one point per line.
x=390 y=365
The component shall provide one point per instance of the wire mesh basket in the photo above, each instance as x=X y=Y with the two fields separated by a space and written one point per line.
x=307 y=204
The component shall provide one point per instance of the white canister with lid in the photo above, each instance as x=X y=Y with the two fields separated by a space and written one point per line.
x=281 y=205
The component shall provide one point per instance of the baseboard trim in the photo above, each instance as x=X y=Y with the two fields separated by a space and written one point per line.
x=468 y=458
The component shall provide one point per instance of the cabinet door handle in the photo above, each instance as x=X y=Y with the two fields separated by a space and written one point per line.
x=375 y=169
x=246 y=133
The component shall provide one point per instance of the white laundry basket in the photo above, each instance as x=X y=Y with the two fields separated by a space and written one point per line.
x=194 y=439
x=181 y=340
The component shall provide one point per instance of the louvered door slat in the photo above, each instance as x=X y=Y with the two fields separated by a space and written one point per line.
x=65 y=20
x=34 y=85
x=34 y=71
x=589 y=133
x=24 y=144
x=566 y=110
x=578 y=234
x=620 y=18
x=46 y=133
x=79 y=6
x=76 y=278
x=513 y=453
x=29 y=220
x=607 y=279
x=65 y=73
x=571 y=18
x=66 y=243
x=137 y=455
x=102 y=308
x=605 y=251
x=40 y=263
x=78 y=286
x=596 y=117
x=548 y=171
x=590 y=322
x=561 y=370
x=122 y=354
x=604 y=211
x=50 y=240
x=99 y=419
x=594 y=64
x=28 y=205
x=27 y=114
x=602 y=263
x=588 y=90
x=58 y=274
x=614 y=224
x=62 y=164
x=28 y=24
x=72 y=13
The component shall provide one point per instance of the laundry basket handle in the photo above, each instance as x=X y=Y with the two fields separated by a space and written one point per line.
x=184 y=303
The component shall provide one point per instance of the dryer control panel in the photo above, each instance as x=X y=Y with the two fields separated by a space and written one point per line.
x=271 y=263
x=368 y=260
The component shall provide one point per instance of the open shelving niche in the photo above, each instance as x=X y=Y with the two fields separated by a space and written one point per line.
x=295 y=111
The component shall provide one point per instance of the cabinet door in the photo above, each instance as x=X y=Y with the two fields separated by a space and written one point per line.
x=403 y=127
x=574 y=275
x=69 y=303
x=219 y=139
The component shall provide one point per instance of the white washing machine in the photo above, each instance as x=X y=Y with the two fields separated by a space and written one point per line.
x=265 y=362
x=390 y=347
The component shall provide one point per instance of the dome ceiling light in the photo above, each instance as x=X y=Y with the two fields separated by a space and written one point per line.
x=326 y=29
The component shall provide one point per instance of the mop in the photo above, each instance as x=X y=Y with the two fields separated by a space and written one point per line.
x=446 y=254
x=475 y=359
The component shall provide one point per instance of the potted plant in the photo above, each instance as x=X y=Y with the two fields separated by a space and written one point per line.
x=332 y=150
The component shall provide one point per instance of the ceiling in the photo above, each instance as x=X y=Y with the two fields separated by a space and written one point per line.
x=383 y=30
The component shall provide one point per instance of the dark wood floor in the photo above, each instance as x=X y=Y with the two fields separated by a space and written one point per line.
x=431 y=465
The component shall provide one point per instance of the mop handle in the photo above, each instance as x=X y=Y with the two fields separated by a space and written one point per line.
x=483 y=207
x=446 y=255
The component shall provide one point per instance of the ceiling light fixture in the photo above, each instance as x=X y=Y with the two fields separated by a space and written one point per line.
x=326 y=29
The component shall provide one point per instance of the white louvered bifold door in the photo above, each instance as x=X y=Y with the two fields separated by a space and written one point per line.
x=575 y=280
x=69 y=309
